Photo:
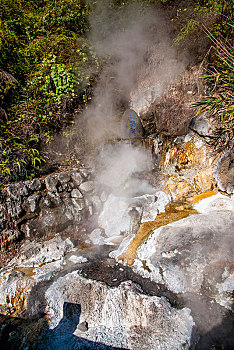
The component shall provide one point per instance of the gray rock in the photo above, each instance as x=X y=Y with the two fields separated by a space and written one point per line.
x=22 y=189
x=10 y=285
x=87 y=186
x=8 y=237
x=96 y=236
x=83 y=326
x=191 y=253
x=84 y=172
x=13 y=191
x=51 y=183
x=201 y=125
x=51 y=221
x=37 y=253
x=131 y=125
x=224 y=171
x=3 y=224
x=35 y=185
x=73 y=208
x=69 y=186
x=14 y=209
x=60 y=188
x=64 y=178
x=96 y=202
x=214 y=203
x=76 y=193
x=77 y=178
x=28 y=230
x=55 y=199
x=3 y=217
x=122 y=316
x=69 y=215
x=78 y=203
x=45 y=203
x=31 y=203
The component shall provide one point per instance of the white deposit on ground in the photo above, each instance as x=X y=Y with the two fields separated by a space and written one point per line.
x=120 y=316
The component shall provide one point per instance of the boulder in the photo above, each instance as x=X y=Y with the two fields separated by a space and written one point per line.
x=201 y=125
x=191 y=255
x=120 y=316
x=31 y=203
x=224 y=172
x=131 y=125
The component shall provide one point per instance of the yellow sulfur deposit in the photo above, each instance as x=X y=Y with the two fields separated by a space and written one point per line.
x=173 y=212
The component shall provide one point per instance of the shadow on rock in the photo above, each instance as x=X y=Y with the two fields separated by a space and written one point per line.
x=62 y=337
x=220 y=337
x=13 y=335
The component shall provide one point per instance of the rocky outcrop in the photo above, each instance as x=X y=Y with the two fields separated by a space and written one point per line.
x=123 y=317
x=43 y=207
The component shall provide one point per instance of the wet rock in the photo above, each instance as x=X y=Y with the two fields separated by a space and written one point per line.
x=76 y=193
x=51 y=183
x=31 y=203
x=120 y=316
x=224 y=172
x=87 y=186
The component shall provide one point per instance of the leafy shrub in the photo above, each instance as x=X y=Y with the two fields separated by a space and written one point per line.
x=48 y=64
x=220 y=102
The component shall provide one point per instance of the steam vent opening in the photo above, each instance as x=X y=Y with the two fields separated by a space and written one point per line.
x=116 y=175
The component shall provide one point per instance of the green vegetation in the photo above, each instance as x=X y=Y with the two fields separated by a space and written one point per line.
x=213 y=19
x=220 y=103
x=46 y=64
